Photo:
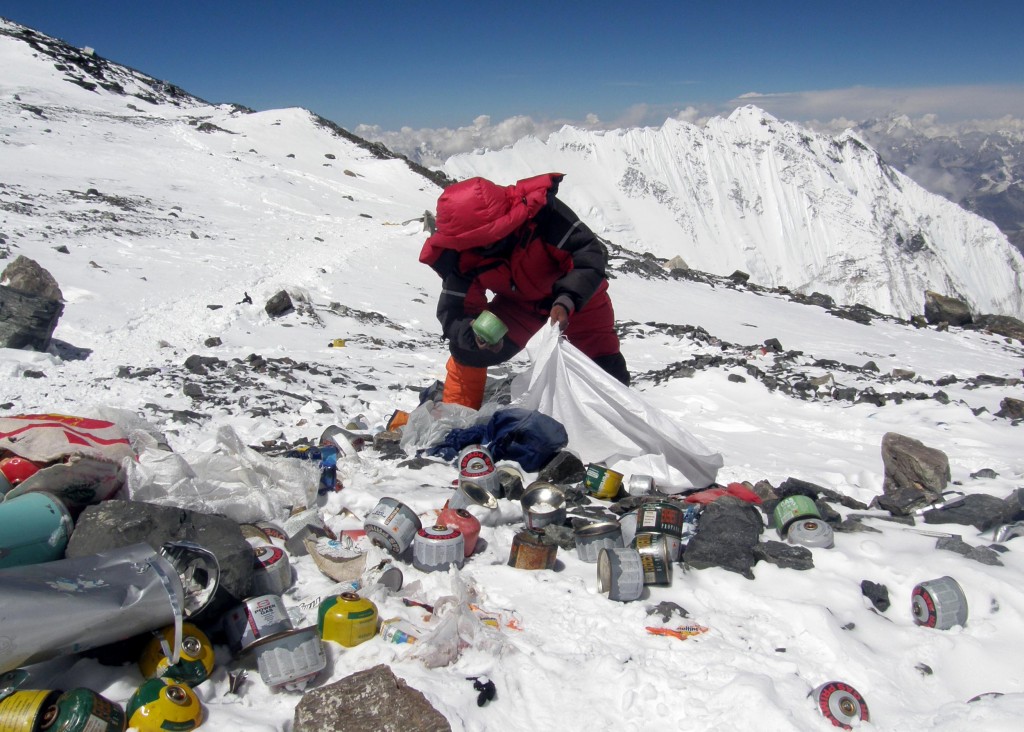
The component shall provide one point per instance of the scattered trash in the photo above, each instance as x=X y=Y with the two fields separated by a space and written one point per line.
x=939 y=603
x=392 y=525
x=1009 y=531
x=602 y=482
x=792 y=508
x=543 y=504
x=486 y=687
x=530 y=550
x=736 y=490
x=682 y=632
x=437 y=548
x=840 y=704
x=196 y=659
x=476 y=465
x=811 y=532
x=620 y=573
x=399 y=630
x=347 y=619
x=272 y=573
x=337 y=343
x=77 y=710
x=655 y=556
x=469 y=493
x=489 y=327
x=160 y=704
x=640 y=485
x=592 y=538
x=465 y=522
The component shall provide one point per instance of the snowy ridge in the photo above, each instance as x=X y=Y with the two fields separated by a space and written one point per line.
x=788 y=206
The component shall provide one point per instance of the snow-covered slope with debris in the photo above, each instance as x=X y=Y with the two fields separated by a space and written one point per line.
x=788 y=206
x=156 y=220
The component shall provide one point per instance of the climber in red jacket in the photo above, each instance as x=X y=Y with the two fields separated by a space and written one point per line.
x=541 y=263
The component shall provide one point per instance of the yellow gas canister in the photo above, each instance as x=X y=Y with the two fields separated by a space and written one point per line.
x=195 y=664
x=347 y=619
x=161 y=704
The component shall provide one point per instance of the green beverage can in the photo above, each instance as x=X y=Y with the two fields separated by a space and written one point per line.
x=489 y=327
x=791 y=508
x=34 y=528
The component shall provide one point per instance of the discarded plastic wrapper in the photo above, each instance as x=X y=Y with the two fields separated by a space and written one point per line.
x=73 y=605
x=688 y=630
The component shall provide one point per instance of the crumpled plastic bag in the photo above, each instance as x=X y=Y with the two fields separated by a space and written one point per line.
x=226 y=477
x=608 y=422
x=455 y=626
x=431 y=422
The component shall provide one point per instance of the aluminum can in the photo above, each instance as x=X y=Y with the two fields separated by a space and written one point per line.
x=620 y=573
x=34 y=528
x=256 y=618
x=392 y=525
x=791 y=508
x=660 y=517
x=841 y=704
x=543 y=504
x=272 y=574
x=161 y=704
x=475 y=464
x=655 y=556
x=602 y=482
x=465 y=522
x=437 y=548
x=531 y=551
x=195 y=664
x=83 y=710
x=592 y=538
x=23 y=710
x=470 y=493
x=347 y=619
x=939 y=603
x=640 y=485
x=399 y=630
x=811 y=532
x=291 y=660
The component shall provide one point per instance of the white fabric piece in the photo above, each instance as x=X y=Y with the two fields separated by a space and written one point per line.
x=607 y=422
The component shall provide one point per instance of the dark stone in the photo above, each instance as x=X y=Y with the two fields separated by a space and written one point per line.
x=114 y=524
x=1015 y=505
x=764 y=490
x=213 y=342
x=737 y=379
x=1002 y=325
x=374 y=699
x=854 y=525
x=740 y=277
x=828 y=514
x=787 y=556
x=985 y=473
x=870 y=366
x=821 y=300
x=279 y=304
x=942 y=309
x=27 y=321
x=29 y=278
x=726 y=536
x=668 y=610
x=193 y=391
x=563 y=468
x=978 y=553
x=925 y=669
x=1011 y=408
x=878 y=594
x=773 y=344
x=417 y=463
x=563 y=536
x=915 y=475
x=979 y=510
x=511 y=483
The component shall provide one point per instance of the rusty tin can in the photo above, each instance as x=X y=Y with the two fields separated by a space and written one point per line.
x=592 y=538
x=392 y=525
x=620 y=573
x=531 y=551
x=656 y=557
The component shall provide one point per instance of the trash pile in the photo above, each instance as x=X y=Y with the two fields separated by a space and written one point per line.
x=72 y=550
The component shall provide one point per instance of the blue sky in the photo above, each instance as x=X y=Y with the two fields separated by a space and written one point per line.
x=443 y=64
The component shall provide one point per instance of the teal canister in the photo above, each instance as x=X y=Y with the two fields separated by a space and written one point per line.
x=34 y=528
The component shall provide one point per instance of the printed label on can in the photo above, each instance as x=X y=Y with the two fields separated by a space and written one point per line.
x=438 y=548
x=661 y=518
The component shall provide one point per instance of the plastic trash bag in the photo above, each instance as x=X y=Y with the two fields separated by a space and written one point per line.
x=430 y=423
x=608 y=422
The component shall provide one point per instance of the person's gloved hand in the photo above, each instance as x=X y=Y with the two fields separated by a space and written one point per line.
x=561 y=309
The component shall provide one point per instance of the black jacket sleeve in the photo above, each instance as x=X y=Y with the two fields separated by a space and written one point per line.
x=560 y=227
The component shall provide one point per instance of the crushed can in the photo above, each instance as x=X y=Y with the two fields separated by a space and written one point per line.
x=161 y=704
x=602 y=482
x=620 y=574
x=195 y=664
x=392 y=525
x=437 y=548
x=34 y=528
x=592 y=538
x=640 y=485
x=531 y=550
x=347 y=619
x=939 y=603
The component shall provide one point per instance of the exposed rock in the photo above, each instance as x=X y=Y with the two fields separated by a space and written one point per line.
x=978 y=553
x=28 y=277
x=1003 y=325
x=1011 y=408
x=787 y=556
x=981 y=511
x=676 y=263
x=279 y=304
x=726 y=536
x=563 y=468
x=740 y=277
x=915 y=475
x=985 y=473
x=374 y=699
x=942 y=309
x=114 y=524
x=667 y=610
x=878 y=594
x=27 y=321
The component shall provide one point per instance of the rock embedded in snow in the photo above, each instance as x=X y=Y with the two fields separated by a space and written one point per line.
x=979 y=510
x=374 y=699
x=877 y=593
x=726 y=536
x=787 y=556
x=279 y=304
x=915 y=475
x=942 y=309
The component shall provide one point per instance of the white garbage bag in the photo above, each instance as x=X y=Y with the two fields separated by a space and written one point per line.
x=608 y=422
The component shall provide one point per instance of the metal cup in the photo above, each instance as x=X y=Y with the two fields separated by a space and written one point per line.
x=543 y=504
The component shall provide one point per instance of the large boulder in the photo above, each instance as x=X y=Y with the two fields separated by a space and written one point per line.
x=1003 y=325
x=31 y=303
x=915 y=475
x=942 y=309
x=374 y=699
x=114 y=524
